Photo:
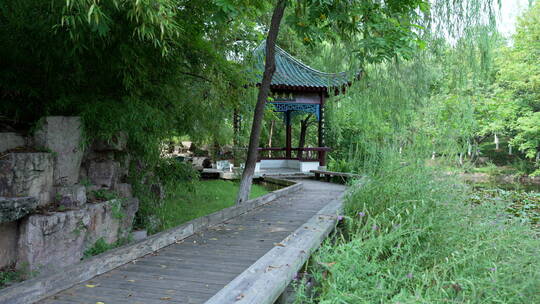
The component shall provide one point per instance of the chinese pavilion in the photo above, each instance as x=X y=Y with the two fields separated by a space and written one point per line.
x=297 y=88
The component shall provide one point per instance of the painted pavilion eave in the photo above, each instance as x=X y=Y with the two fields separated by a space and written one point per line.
x=292 y=75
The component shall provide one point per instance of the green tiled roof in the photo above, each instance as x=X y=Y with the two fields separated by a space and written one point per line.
x=290 y=72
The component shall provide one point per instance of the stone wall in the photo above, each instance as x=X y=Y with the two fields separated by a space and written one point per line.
x=57 y=198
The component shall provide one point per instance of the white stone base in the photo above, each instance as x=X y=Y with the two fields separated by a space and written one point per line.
x=303 y=166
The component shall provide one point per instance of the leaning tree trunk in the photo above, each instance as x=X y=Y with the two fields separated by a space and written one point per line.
x=271 y=133
x=304 y=124
x=264 y=89
x=236 y=137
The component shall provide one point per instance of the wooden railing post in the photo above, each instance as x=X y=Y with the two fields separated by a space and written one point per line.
x=322 y=158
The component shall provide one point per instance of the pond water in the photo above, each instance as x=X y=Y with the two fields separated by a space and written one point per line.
x=522 y=200
x=267 y=185
x=516 y=186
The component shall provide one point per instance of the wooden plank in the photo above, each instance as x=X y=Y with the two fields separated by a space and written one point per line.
x=333 y=173
x=265 y=280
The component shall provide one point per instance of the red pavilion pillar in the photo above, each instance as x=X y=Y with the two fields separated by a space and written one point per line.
x=322 y=154
x=288 y=138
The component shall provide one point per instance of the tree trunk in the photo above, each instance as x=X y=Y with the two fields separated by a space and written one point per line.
x=272 y=123
x=304 y=124
x=496 y=140
x=264 y=89
x=236 y=138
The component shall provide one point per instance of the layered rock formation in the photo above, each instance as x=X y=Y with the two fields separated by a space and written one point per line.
x=57 y=199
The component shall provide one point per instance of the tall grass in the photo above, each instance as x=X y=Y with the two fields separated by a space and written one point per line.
x=410 y=237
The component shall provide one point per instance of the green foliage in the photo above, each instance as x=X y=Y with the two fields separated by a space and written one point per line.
x=190 y=200
x=171 y=171
x=101 y=246
x=11 y=276
x=411 y=234
x=103 y=195
x=411 y=238
x=379 y=31
x=510 y=104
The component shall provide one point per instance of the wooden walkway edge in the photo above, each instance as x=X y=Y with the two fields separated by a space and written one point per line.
x=45 y=285
x=265 y=280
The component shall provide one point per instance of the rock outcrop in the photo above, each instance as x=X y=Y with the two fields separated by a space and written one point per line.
x=47 y=242
x=27 y=174
x=71 y=196
x=10 y=140
x=62 y=135
x=14 y=208
x=9 y=237
x=47 y=218
x=50 y=241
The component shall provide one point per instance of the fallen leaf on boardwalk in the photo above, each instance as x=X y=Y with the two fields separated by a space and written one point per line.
x=131 y=281
x=213 y=239
x=277 y=229
x=165 y=298
x=100 y=303
x=240 y=297
x=90 y=285
x=270 y=267
x=279 y=244
x=163 y=266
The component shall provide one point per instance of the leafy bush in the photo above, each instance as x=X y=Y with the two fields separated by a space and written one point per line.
x=101 y=246
x=171 y=171
x=10 y=276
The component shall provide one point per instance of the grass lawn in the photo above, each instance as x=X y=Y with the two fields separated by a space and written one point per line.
x=192 y=200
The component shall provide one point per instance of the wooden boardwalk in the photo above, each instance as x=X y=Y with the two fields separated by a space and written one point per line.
x=193 y=270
